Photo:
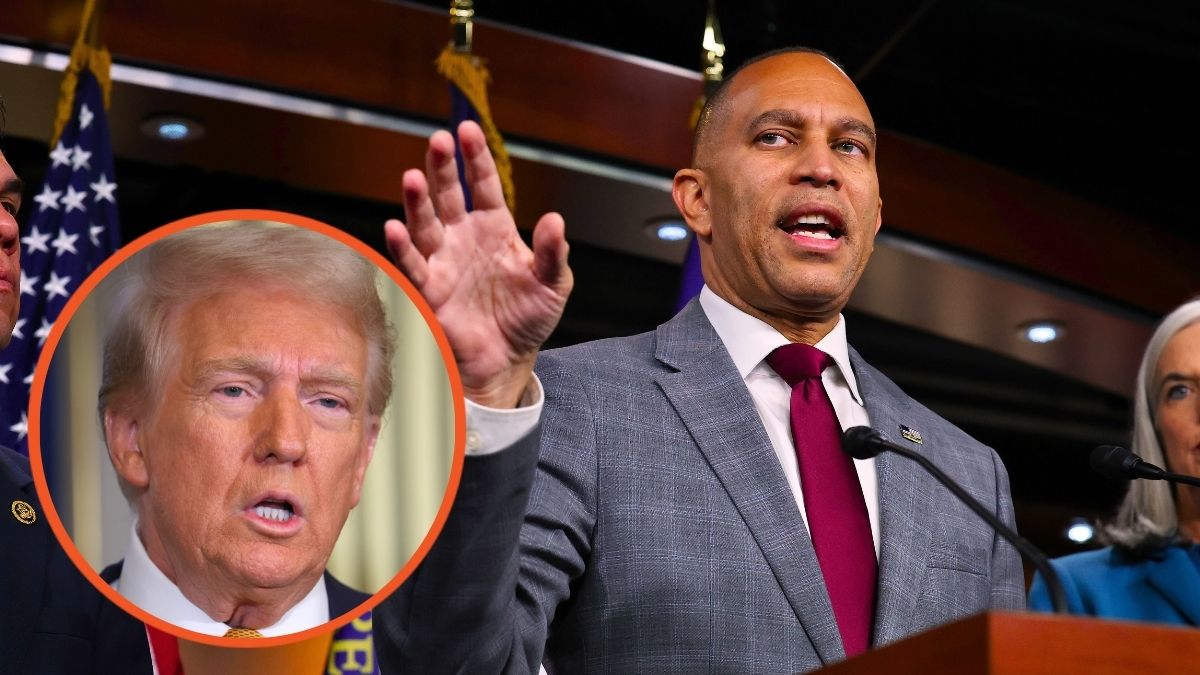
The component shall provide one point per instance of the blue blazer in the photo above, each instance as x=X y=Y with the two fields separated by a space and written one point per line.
x=1163 y=588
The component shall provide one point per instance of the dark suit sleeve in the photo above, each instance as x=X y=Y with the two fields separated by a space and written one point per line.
x=518 y=536
x=454 y=613
x=1008 y=575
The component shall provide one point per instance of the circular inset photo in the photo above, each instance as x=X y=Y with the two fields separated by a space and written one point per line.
x=246 y=424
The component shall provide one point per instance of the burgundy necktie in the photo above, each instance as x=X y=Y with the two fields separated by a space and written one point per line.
x=833 y=498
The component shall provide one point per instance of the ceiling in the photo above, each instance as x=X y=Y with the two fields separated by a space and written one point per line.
x=1035 y=163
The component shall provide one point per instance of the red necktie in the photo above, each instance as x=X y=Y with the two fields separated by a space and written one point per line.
x=833 y=498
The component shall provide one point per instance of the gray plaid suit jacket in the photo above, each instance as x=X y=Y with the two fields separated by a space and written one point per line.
x=647 y=527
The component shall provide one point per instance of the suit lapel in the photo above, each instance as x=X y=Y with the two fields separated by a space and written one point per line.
x=1175 y=576
x=903 y=511
x=25 y=548
x=712 y=400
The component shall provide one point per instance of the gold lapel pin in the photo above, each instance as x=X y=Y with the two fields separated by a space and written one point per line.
x=23 y=512
x=911 y=434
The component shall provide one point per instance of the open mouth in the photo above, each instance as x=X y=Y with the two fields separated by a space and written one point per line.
x=277 y=510
x=812 y=226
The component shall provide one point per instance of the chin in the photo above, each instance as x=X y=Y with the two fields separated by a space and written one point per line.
x=277 y=570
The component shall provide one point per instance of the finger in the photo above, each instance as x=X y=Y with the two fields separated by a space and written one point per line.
x=550 y=253
x=404 y=253
x=444 y=186
x=424 y=228
x=486 y=190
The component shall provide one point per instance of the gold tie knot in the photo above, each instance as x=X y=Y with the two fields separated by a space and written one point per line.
x=242 y=633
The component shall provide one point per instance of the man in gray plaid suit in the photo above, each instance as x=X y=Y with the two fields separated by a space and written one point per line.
x=637 y=506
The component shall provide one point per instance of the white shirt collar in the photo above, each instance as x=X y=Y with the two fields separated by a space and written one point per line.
x=750 y=340
x=143 y=584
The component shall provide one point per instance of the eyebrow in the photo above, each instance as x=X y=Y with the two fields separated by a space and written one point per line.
x=793 y=119
x=12 y=186
x=261 y=368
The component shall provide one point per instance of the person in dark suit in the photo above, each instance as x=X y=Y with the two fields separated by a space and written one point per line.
x=1151 y=569
x=640 y=504
x=241 y=398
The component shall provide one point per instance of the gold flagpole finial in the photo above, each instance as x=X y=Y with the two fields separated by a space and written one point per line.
x=462 y=20
x=714 y=49
x=712 y=53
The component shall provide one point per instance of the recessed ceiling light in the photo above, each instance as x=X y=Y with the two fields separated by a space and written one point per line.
x=1041 y=332
x=172 y=128
x=668 y=229
x=1080 y=531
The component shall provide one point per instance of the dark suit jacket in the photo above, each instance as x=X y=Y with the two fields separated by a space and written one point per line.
x=53 y=620
x=341 y=597
x=1163 y=587
x=647 y=526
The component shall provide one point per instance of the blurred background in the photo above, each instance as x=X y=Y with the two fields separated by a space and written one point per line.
x=1036 y=161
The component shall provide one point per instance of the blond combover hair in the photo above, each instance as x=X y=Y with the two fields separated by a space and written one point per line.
x=157 y=284
x=1147 y=519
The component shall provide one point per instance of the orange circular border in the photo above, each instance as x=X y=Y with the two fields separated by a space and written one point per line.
x=85 y=289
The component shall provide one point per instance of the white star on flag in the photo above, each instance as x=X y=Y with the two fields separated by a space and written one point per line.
x=56 y=286
x=93 y=234
x=104 y=189
x=21 y=428
x=48 y=199
x=81 y=159
x=27 y=284
x=64 y=242
x=60 y=155
x=4 y=368
x=36 y=241
x=17 y=329
x=74 y=199
x=85 y=117
x=44 y=332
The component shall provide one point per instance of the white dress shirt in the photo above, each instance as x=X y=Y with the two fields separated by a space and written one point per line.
x=748 y=341
x=143 y=584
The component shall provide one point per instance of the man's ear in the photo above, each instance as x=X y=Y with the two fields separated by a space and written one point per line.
x=121 y=435
x=690 y=192
x=373 y=422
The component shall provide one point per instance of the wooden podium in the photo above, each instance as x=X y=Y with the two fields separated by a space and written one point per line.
x=1025 y=643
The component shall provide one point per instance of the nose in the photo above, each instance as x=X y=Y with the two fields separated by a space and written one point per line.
x=10 y=243
x=283 y=429
x=816 y=164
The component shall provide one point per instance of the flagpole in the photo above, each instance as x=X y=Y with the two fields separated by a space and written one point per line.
x=712 y=54
x=462 y=15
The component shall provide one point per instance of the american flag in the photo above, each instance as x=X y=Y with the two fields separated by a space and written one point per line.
x=72 y=228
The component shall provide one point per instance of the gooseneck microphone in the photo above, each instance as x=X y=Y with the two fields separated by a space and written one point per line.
x=1113 y=461
x=865 y=443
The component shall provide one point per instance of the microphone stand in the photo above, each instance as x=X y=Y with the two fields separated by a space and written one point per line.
x=1057 y=597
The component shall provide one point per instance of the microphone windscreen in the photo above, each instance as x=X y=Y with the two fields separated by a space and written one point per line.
x=862 y=442
x=1113 y=461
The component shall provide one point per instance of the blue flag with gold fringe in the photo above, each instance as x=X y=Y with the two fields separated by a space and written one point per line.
x=73 y=227
x=469 y=78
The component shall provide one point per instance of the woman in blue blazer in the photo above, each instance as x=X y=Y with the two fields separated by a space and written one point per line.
x=1151 y=569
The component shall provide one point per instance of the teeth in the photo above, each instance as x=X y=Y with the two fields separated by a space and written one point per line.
x=273 y=513
x=813 y=234
x=813 y=219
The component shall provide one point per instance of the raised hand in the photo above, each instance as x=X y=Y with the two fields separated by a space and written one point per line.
x=496 y=299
